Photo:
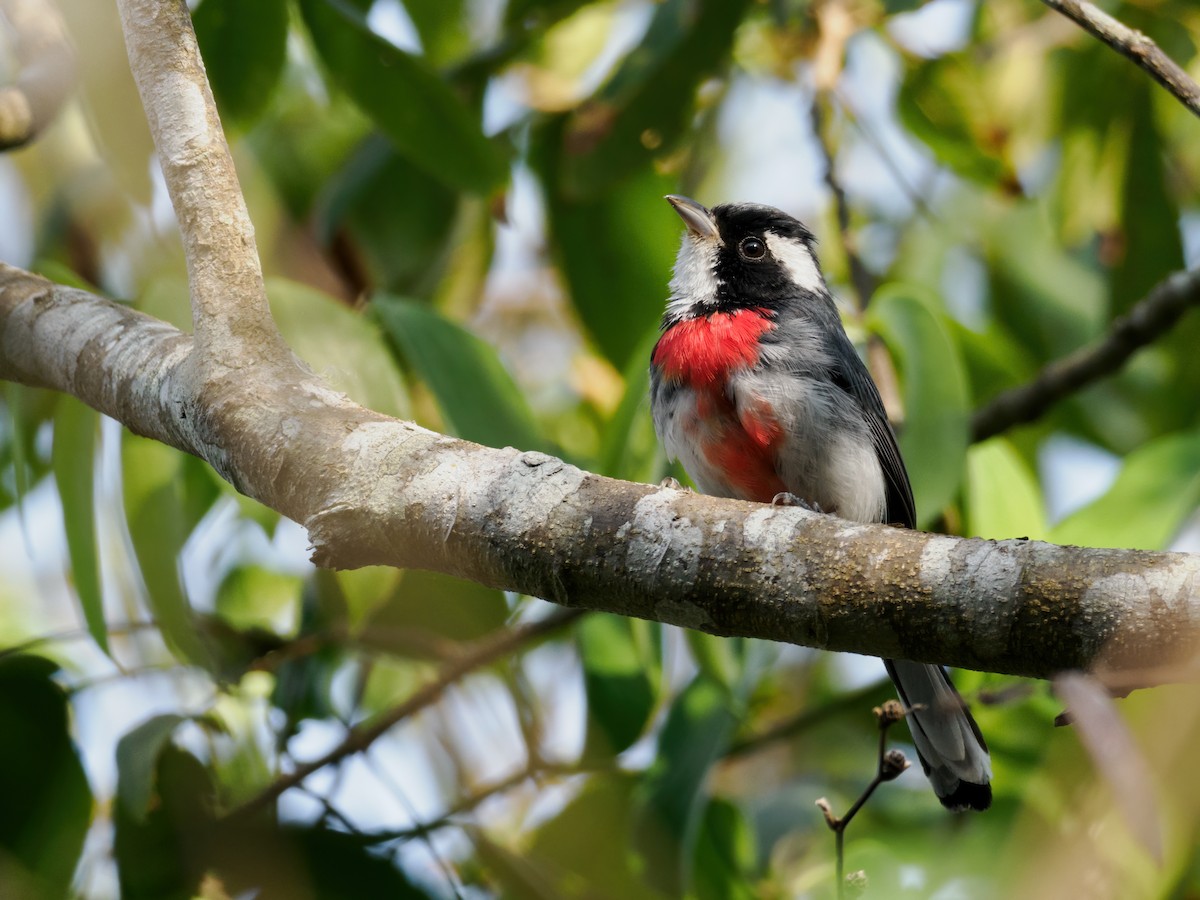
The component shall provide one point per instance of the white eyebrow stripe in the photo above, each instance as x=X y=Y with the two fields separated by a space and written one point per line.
x=794 y=256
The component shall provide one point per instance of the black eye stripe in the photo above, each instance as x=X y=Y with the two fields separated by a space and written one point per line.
x=752 y=248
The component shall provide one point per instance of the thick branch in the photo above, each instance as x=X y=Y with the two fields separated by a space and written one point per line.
x=1133 y=44
x=231 y=319
x=45 y=70
x=373 y=490
x=1150 y=318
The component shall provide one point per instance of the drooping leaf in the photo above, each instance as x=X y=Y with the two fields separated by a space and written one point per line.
x=74 y=462
x=398 y=217
x=47 y=801
x=631 y=449
x=1003 y=497
x=934 y=437
x=476 y=394
x=726 y=855
x=244 y=46
x=137 y=762
x=343 y=347
x=166 y=493
x=647 y=103
x=672 y=798
x=1157 y=489
x=406 y=99
x=622 y=673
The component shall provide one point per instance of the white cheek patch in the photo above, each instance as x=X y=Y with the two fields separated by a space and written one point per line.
x=798 y=260
x=695 y=279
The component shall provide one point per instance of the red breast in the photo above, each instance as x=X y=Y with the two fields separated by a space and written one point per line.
x=707 y=349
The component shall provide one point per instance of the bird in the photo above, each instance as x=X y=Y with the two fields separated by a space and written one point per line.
x=758 y=392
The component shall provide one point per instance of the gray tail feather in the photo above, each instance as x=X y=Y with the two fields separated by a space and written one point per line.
x=951 y=748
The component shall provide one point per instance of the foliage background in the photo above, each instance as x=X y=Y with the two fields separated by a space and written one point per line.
x=458 y=204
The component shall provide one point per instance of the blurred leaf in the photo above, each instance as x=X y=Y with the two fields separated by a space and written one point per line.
x=671 y=798
x=431 y=605
x=586 y=845
x=936 y=428
x=46 y=798
x=256 y=597
x=1003 y=496
x=244 y=45
x=522 y=878
x=616 y=253
x=1116 y=756
x=726 y=855
x=160 y=854
x=365 y=589
x=622 y=674
x=26 y=410
x=137 y=763
x=474 y=391
x=409 y=102
x=74 y=458
x=641 y=112
x=396 y=215
x=943 y=103
x=343 y=347
x=1156 y=491
x=166 y=493
x=631 y=450
x=534 y=15
x=445 y=33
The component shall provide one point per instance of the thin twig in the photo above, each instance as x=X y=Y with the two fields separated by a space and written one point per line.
x=484 y=653
x=1134 y=45
x=1150 y=318
x=890 y=765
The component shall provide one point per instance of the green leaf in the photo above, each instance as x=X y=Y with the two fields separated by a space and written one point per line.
x=1003 y=497
x=244 y=45
x=475 y=393
x=644 y=108
x=622 y=673
x=166 y=493
x=409 y=102
x=137 y=763
x=616 y=252
x=672 y=799
x=429 y=604
x=399 y=218
x=1156 y=491
x=936 y=428
x=74 y=461
x=726 y=855
x=254 y=597
x=631 y=449
x=343 y=347
x=47 y=801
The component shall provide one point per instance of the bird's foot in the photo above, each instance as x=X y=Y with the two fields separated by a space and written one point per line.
x=674 y=484
x=784 y=498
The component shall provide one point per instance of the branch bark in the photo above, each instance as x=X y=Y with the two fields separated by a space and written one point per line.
x=1149 y=319
x=374 y=490
x=1134 y=45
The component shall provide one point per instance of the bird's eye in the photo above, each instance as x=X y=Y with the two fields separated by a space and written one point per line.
x=752 y=248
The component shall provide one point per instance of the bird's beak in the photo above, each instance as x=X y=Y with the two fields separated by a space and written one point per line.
x=698 y=219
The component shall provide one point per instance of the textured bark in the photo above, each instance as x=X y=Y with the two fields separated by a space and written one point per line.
x=374 y=490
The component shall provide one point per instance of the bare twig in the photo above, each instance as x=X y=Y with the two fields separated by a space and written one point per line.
x=890 y=765
x=485 y=652
x=1149 y=319
x=45 y=70
x=1135 y=45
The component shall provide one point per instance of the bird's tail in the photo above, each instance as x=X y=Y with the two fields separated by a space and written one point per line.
x=949 y=743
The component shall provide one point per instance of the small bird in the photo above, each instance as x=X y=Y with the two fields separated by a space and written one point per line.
x=757 y=391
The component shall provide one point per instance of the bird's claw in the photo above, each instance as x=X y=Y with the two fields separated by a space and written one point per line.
x=673 y=483
x=785 y=498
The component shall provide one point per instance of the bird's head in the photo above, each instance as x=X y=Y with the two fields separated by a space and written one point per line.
x=740 y=256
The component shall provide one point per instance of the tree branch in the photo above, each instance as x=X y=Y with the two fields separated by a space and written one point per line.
x=46 y=70
x=1133 y=44
x=1149 y=319
x=374 y=490
x=230 y=316
x=487 y=651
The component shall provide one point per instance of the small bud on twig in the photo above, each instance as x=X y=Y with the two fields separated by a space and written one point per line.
x=890 y=713
x=856 y=883
x=826 y=810
x=892 y=765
